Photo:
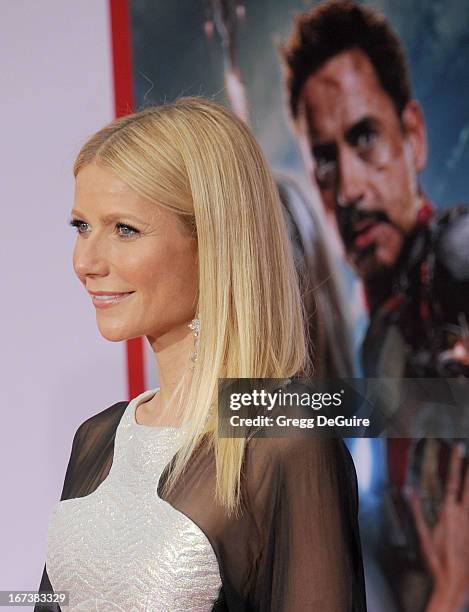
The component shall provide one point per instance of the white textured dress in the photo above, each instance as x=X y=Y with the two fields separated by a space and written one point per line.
x=124 y=548
x=119 y=540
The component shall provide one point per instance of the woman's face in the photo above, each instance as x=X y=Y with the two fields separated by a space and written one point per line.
x=128 y=245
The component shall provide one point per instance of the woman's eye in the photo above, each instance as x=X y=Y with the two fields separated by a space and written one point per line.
x=123 y=230
x=128 y=231
x=77 y=224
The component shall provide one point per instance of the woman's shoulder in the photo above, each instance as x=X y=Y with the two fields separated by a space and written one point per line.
x=294 y=447
x=92 y=451
x=109 y=414
x=296 y=458
x=101 y=423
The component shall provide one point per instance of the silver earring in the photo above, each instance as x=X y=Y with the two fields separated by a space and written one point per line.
x=194 y=325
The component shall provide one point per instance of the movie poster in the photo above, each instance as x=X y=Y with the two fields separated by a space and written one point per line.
x=358 y=155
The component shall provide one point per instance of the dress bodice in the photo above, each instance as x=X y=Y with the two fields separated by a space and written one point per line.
x=124 y=548
x=120 y=540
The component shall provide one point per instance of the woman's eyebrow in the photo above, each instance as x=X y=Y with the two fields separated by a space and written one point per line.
x=109 y=218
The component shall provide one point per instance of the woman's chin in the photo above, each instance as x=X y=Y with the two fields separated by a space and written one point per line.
x=114 y=334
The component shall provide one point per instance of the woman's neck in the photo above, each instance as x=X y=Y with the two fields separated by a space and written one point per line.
x=172 y=354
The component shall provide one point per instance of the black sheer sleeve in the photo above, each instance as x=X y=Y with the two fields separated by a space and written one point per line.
x=89 y=463
x=304 y=496
x=295 y=545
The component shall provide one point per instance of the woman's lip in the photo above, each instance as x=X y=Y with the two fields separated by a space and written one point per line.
x=112 y=300
x=108 y=292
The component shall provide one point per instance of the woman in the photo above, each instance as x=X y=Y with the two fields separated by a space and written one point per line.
x=181 y=239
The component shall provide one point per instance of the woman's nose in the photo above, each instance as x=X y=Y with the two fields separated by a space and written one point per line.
x=90 y=257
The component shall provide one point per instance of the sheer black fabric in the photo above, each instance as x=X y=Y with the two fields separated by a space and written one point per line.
x=295 y=545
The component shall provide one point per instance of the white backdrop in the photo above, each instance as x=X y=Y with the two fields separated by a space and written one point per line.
x=56 y=370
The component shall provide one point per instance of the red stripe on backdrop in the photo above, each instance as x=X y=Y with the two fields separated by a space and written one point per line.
x=121 y=57
x=124 y=104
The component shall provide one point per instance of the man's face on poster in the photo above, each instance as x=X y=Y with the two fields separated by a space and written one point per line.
x=364 y=157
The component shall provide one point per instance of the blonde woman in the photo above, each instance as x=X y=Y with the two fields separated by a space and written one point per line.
x=181 y=239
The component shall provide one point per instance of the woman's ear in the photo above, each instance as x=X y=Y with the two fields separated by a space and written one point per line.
x=414 y=128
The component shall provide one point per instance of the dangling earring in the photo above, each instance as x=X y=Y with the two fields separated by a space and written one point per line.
x=194 y=325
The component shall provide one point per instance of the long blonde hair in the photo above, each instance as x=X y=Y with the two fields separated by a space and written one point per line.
x=200 y=161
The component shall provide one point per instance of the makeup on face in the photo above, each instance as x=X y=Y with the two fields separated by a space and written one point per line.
x=142 y=278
